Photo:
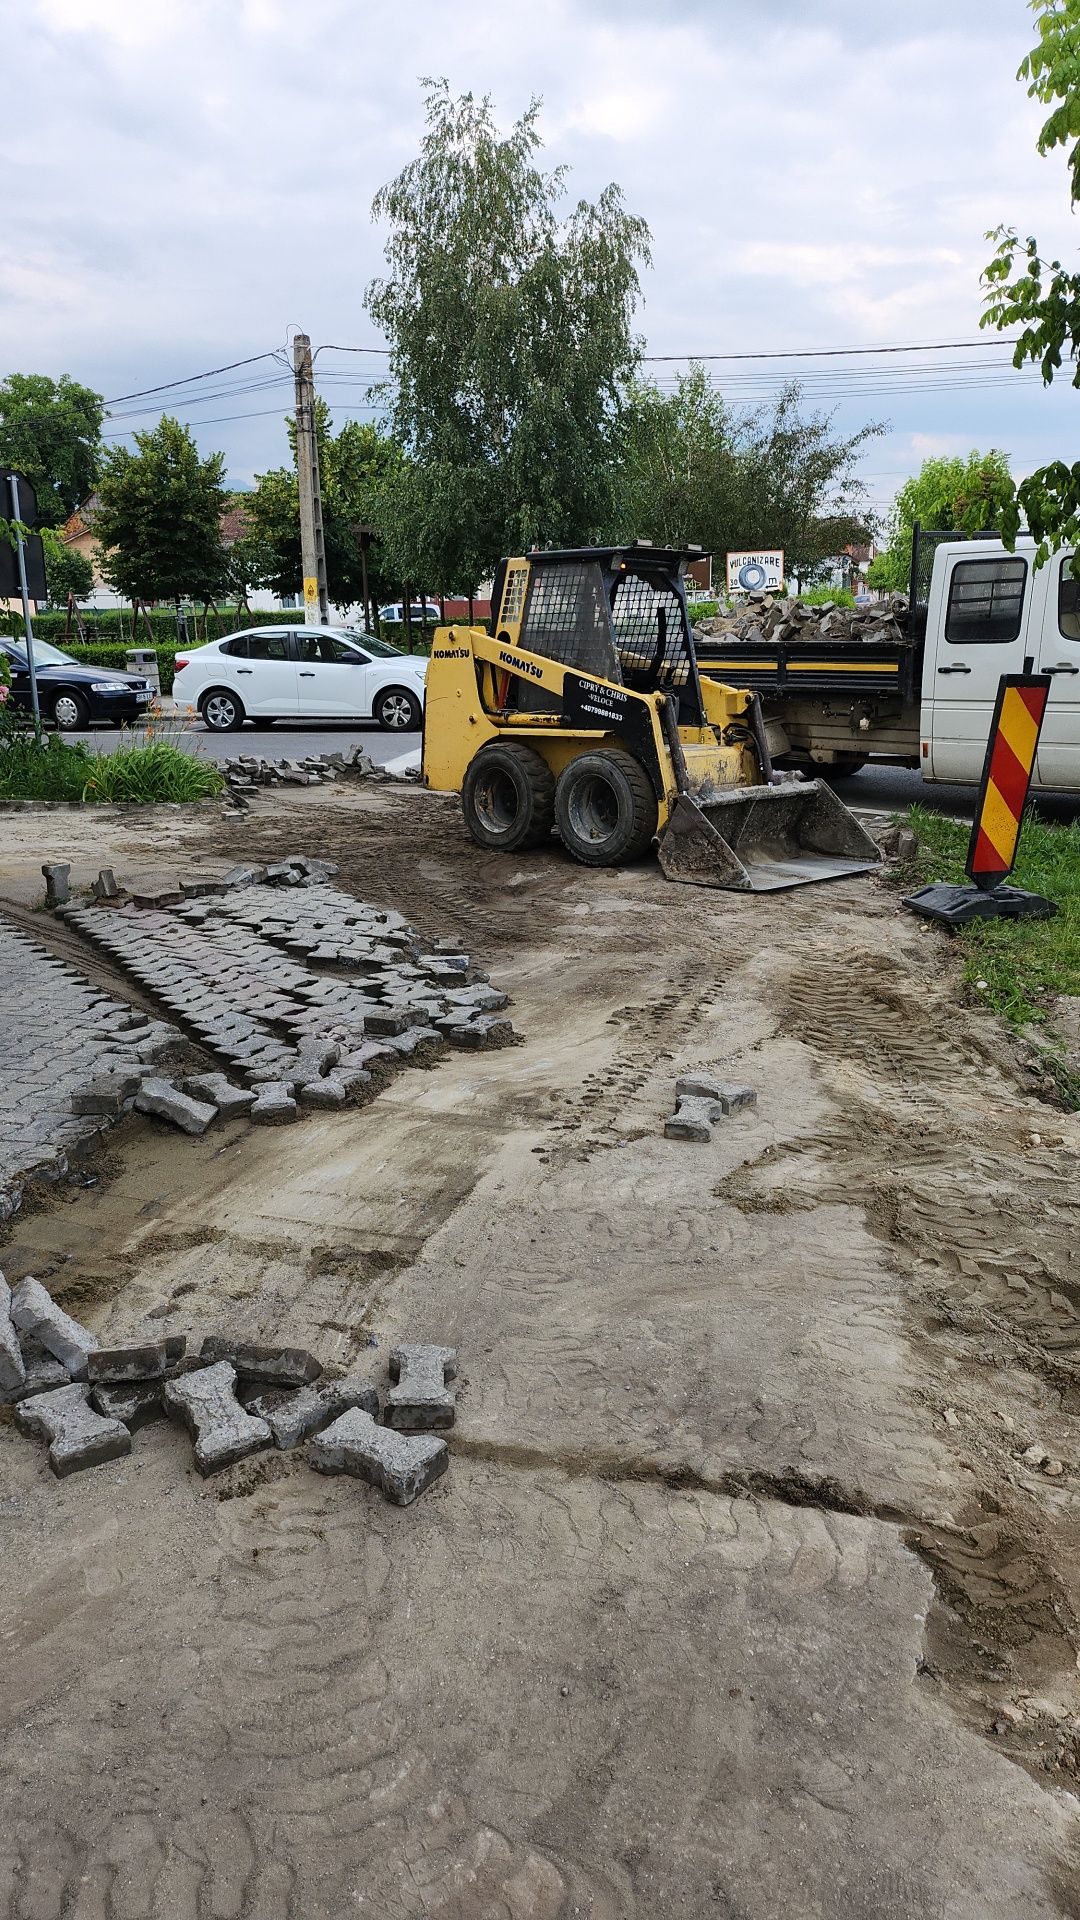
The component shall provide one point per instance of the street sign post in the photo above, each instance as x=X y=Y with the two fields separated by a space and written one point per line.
x=29 y=568
x=995 y=834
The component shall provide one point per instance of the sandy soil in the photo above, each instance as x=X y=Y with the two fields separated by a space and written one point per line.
x=738 y=1597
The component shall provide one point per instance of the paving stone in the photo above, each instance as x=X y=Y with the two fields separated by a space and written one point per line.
x=479 y=1033
x=79 y=1436
x=292 y=1417
x=323 y=1093
x=387 y=1020
x=693 y=1119
x=423 y=1396
x=57 y=874
x=417 y=1040
x=105 y=886
x=163 y=1098
x=206 y=1401
x=43 y=1375
x=401 y=1465
x=732 y=1097
x=275 y=1105
x=107 y=1093
x=34 y=1311
x=12 y=1364
x=697 y=1086
x=218 y=1091
x=274 y=1366
x=136 y=1403
x=115 y=1366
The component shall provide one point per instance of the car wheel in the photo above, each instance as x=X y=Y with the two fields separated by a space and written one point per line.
x=70 y=712
x=605 y=809
x=397 y=710
x=221 y=711
x=508 y=798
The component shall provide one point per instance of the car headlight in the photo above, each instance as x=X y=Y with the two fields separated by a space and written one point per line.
x=108 y=686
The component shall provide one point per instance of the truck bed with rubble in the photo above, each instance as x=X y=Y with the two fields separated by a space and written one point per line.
x=838 y=685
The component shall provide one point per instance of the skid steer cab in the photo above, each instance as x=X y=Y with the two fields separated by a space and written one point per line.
x=584 y=712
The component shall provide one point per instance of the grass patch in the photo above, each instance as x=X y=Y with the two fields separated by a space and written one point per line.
x=149 y=772
x=1023 y=962
x=146 y=768
x=53 y=770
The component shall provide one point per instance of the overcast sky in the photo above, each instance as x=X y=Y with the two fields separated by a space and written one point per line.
x=186 y=180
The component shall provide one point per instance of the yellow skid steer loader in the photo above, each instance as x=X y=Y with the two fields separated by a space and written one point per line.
x=584 y=711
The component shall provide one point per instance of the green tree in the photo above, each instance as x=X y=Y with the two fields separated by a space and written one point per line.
x=159 y=519
x=1041 y=296
x=356 y=467
x=511 y=343
x=695 y=470
x=972 y=496
x=66 y=570
x=50 y=430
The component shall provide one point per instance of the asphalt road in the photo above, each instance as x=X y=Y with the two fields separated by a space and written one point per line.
x=274 y=743
x=875 y=789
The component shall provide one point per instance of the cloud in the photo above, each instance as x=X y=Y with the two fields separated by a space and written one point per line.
x=185 y=180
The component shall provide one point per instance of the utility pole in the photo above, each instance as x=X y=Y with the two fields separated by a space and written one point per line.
x=312 y=550
x=20 y=554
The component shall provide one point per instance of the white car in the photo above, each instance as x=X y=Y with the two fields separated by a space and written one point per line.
x=301 y=673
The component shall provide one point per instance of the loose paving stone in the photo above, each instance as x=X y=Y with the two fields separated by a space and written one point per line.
x=43 y=1375
x=107 y=1094
x=105 y=886
x=79 y=1436
x=164 y=1099
x=693 y=1119
x=34 y=1310
x=423 y=1396
x=136 y=1404
x=12 y=1364
x=206 y=1401
x=732 y=1097
x=323 y=1093
x=293 y=1417
x=275 y=1105
x=401 y=1465
x=697 y=1086
x=219 y=1092
x=274 y=1366
x=57 y=874
x=115 y=1366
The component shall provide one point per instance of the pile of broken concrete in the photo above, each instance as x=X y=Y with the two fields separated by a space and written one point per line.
x=768 y=620
x=235 y=1398
x=249 y=772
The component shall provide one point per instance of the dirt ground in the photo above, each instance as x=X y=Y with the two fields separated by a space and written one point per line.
x=738 y=1597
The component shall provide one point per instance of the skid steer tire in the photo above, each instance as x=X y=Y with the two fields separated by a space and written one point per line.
x=605 y=809
x=508 y=798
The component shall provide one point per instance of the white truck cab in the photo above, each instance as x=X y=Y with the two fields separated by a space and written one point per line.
x=990 y=612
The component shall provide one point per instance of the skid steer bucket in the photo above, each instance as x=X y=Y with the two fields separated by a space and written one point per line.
x=760 y=839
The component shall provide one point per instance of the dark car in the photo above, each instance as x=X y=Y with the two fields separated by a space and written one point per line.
x=72 y=693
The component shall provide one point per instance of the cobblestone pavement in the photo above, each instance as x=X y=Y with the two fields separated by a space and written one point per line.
x=302 y=984
x=59 y=1034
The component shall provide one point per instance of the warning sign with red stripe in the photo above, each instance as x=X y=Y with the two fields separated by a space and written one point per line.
x=1010 y=758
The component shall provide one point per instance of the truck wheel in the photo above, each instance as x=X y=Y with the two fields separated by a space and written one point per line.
x=840 y=768
x=508 y=798
x=605 y=809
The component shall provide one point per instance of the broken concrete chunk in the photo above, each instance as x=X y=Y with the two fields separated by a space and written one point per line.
x=729 y=1095
x=274 y=1366
x=423 y=1397
x=79 y=1436
x=112 y=1366
x=105 y=886
x=218 y=1091
x=293 y=1417
x=163 y=1098
x=274 y=1106
x=136 y=1403
x=34 y=1310
x=402 y=1465
x=206 y=1401
x=12 y=1364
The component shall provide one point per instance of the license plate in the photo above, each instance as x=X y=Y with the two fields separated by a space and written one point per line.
x=142 y=699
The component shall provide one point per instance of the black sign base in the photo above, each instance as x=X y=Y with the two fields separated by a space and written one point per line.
x=957 y=905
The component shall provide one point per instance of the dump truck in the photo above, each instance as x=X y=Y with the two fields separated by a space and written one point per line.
x=925 y=696
x=584 y=713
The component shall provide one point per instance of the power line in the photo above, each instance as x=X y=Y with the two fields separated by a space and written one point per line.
x=190 y=378
x=823 y=353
